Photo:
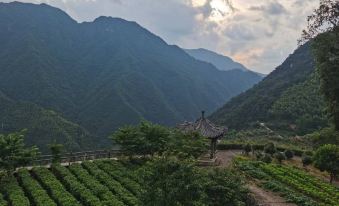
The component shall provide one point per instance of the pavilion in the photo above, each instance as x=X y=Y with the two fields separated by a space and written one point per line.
x=207 y=129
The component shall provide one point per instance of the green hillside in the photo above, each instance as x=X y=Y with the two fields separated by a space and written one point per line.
x=105 y=74
x=44 y=126
x=287 y=99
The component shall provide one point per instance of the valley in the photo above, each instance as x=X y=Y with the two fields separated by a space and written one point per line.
x=104 y=112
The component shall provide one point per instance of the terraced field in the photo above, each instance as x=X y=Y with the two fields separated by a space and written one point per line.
x=294 y=184
x=99 y=183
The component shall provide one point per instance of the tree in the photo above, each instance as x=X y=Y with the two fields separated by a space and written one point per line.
x=323 y=30
x=170 y=181
x=143 y=139
x=14 y=153
x=326 y=158
x=279 y=156
x=185 y=145
x=247 y=148
x=149 y=139
x=289 y=154
x=324 y=19
x=56 y=150
x=270 y=148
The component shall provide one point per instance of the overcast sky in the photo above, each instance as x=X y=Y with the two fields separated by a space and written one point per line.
x=259 y=34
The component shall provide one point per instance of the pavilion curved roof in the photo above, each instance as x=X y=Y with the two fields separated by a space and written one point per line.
x=204 y=126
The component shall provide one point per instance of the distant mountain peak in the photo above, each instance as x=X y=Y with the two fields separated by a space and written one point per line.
x=220 y=61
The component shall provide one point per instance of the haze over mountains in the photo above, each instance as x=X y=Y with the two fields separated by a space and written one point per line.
x=87 y=79
x=221 y=62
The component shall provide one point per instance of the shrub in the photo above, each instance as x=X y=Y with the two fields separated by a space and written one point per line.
x=279 y=156
x=289 y=154
x=270 y=148
x=306 y=160
x=259 y=155
x=247 y=148
x=267 y=158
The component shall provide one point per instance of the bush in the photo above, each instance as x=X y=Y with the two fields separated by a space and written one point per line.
x=289 y=154
x=247 y=148
x=267 y=158
x=306 y=160
x=279 y=156
x=259 y=155
x=270 y=148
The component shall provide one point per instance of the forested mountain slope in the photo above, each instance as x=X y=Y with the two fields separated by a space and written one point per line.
x=106 y=73
x=288 y=97
x=44 y=126
x=219 y=61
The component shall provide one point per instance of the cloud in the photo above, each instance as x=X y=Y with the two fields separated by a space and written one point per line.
x=272 y=8
x=259 y=34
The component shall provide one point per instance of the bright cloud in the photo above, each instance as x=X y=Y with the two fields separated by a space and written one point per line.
x=259 y=34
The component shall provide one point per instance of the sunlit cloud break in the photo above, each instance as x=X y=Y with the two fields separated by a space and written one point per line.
x=259 y=34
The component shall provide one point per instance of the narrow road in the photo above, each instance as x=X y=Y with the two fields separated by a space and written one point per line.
x=263 y=197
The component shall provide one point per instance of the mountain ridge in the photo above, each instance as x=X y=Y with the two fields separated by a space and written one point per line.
x=105 y=74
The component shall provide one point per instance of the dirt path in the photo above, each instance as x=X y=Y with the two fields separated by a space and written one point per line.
x=263 y=197
x=267 y=198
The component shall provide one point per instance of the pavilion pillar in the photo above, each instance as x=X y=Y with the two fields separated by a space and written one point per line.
x=213 y=148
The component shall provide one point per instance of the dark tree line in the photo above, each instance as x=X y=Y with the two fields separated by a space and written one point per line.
x=323 y=31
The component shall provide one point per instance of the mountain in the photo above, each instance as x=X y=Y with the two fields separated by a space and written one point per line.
x=45 y=126
x=221 y=62
x=287 y=99
x=104 y=74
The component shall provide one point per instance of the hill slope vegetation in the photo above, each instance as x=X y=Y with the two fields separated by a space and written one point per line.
x=104 y=74
x=288 y=98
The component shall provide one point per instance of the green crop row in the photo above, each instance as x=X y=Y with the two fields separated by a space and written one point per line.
x=120 y=175
x=302 y=186
x=125 y=195
x=105 y=195
x=254 y=169
x=54 y=187
x=289 y=194
x=34 y=190
x=72 y=184
x=14 y=192
x=311 y=180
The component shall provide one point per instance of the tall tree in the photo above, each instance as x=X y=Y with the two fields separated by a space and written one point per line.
x=14 y=153
x=326 y=158
x=56 y=150
x=323 y=30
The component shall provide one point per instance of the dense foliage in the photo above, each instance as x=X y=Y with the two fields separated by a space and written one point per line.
x=43 y=126
x=326 y=50
x=169 y=181
x=323 y=30
x=14 y=153
x=327 y=158
x=149 y=139
x=268 y=100
x=100 y=75
x=301 y=105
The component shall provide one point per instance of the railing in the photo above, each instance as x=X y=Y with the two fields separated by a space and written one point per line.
x=78 y=156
